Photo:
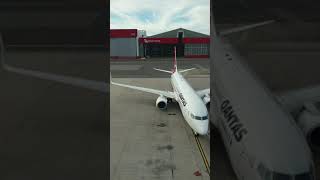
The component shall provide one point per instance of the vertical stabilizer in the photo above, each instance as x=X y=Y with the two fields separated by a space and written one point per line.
x=175 y=68
x=212 y=23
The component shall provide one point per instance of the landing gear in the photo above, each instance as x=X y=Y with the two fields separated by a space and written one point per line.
x=195 y=134
x=169 y=100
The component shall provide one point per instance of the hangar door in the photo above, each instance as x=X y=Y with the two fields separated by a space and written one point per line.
x=123 y=47
x=159 y=50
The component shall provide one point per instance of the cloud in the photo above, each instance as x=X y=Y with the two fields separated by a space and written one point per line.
x=157 y=16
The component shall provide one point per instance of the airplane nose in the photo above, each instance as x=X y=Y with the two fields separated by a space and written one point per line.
x=202 y=131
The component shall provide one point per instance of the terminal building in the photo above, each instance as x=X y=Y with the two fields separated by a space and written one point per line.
x=133 y=43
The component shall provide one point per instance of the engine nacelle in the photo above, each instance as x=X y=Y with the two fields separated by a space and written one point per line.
x=162 y=102
x=206 y=100
x=309 y=121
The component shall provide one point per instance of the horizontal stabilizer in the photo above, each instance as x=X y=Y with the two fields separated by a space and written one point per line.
x=243 y=28
x=185 y=70
x=163 y=70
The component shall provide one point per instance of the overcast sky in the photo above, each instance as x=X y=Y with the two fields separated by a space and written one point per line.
x=157 y=16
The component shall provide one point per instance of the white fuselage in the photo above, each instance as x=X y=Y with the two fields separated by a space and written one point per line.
x=192 y=106
x=257 y=132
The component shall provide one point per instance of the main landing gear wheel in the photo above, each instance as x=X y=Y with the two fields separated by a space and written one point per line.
x=169 y=100
x=195 y=134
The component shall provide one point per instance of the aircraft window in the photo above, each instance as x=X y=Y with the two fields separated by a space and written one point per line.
x=304 y=176
x=198 y=117
x=264 y=172
x=280 y=176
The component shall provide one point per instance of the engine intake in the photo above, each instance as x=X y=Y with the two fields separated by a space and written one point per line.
x=206 y=100
x=314 y=138
x=162 y=102
x=309 y=122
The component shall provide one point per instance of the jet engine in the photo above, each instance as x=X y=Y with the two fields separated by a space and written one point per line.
x=162 y=102
x=309 y=121
x=206 y=100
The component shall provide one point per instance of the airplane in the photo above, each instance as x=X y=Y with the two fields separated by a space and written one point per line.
x=193 y=104
x=267 y=136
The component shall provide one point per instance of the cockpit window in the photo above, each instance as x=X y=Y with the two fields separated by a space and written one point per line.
x=204 y=117
x=317 y=104
x=304 y=176
x=198 y=117
x=280 y=176
x=264 y=172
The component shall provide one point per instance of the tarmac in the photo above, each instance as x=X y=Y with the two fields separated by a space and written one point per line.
x=143 y=68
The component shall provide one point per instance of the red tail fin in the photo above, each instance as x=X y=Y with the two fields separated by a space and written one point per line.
x=175 y=61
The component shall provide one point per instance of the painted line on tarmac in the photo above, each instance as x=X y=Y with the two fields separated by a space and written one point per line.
x=203 y=155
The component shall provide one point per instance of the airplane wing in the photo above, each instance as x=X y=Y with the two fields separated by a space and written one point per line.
x=295 y=99
x=243 y=28
x=75 y=81
x=167 y=94
x=204 y=92
x=79 y=82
